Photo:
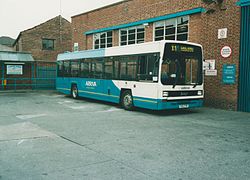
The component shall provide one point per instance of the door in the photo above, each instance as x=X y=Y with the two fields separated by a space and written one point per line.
x=244 y=80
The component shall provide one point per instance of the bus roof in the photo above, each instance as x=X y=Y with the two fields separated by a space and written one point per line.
x=150 y=47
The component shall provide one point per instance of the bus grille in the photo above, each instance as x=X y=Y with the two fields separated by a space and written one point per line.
x=182 y=93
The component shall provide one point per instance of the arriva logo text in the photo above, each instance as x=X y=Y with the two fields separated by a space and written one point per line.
x=91 y=83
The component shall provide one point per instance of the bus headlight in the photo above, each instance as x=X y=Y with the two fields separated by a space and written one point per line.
x=199 y=93
x=164 y=94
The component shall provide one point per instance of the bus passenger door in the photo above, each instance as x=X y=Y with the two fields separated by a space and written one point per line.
x=62 y=83
x=110 y=76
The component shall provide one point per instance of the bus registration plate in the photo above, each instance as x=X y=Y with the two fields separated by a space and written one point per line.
x=182 y=106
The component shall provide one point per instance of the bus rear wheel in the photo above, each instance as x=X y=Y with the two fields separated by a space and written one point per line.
x=127 y=100
x=74 y=91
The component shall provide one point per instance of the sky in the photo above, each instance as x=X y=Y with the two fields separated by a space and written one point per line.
x=19 y=15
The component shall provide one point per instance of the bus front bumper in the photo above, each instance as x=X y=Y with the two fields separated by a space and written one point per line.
x=180 y=104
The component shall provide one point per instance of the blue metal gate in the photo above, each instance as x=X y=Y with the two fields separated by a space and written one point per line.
x=244 y=86
x=45 y=75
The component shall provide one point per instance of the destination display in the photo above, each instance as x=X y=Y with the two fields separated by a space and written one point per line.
x=182 y=48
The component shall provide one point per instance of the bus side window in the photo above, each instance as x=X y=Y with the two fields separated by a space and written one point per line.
x=131 y=67
x=60 y=69
x=81 y=74
x=128 y=67
x=92 y=65
x=142 y=67
x=98 y=73
x=147 y=67
x=66 y=69
x=116 y=68
x=108 y=68
x=74 y=68
x=85 y=68
x=153 y=64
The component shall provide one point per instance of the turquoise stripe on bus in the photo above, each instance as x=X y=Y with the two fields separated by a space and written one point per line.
x=158 y=104
x=91 y=88
x=101 y=94
x=153 y=101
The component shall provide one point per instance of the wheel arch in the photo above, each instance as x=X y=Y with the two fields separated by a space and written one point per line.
x=74 y=84
x=122 y=91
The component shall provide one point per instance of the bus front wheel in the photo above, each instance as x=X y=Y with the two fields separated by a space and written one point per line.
x=74 y=91
x=127 y=100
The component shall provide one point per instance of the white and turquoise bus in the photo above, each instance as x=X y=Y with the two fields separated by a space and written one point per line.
x=155 y=75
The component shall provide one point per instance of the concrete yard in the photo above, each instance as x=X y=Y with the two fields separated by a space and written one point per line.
x=46 y=135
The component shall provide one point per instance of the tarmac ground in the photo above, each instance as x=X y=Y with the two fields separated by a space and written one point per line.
x=47 y=135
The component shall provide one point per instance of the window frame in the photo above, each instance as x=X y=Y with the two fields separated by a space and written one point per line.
x=48 y=39
x=135 y=34
x=176 y=28
x=107 y=44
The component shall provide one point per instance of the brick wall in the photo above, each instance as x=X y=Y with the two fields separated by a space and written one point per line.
x=217 y=94
x=31 y=39
x=203 y=29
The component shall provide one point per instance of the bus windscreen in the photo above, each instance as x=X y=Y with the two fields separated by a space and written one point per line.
x=181 y=65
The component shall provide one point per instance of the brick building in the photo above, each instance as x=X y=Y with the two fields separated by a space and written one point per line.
x=214 y=24
x=46 y=40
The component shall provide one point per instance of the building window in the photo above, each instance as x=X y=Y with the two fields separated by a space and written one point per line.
x=133 y=35
x=172 y=29
x=48 y=44
x=103 y=40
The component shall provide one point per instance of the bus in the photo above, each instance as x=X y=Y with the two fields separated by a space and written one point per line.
x=156 y=75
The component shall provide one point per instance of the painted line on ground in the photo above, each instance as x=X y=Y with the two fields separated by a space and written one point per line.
x=65 y=102
x=30 y=116
x=112 y=109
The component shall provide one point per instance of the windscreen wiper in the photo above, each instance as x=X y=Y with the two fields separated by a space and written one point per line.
x=197 y=80
x=157 y=61
x=175 y=83
x=176 y=72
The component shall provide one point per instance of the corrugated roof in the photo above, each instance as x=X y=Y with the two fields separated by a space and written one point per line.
x=16 y=56
x=5 y=40
x=5 y=48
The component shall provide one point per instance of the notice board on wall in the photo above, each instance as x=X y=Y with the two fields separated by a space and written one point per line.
x=229 y=74
x=14 y=69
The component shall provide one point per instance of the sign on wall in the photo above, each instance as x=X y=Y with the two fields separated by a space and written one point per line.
x=76 y=47
x=212 y=72
x=209 y=67
x=14 y=69
x=222 y=33
x=226 y=51
x=229 y=74
x=209 y=64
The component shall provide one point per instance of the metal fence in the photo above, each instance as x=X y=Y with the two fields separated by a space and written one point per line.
x=42 y=75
